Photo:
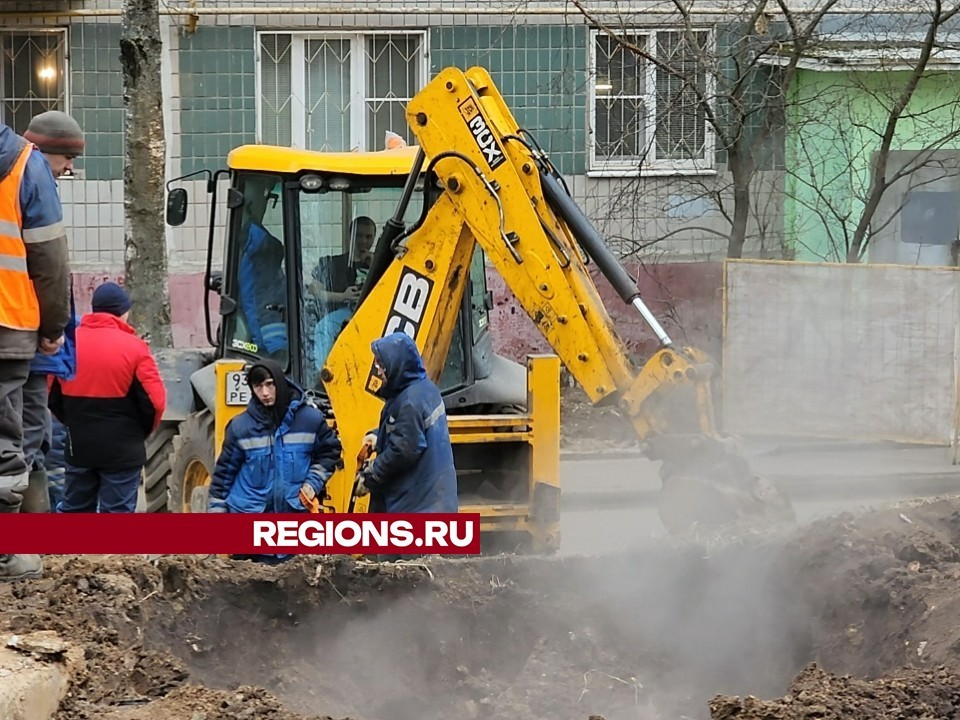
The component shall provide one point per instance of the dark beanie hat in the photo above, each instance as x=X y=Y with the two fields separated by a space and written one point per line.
x=111 y=298
x=56 y=133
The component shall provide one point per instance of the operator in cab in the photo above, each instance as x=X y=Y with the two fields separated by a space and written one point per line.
x=413 y=471
x=337 y=279
x=335 y=287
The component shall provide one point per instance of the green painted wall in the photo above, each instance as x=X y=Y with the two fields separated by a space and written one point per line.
x=217 y=95
x=835 y=120
x=96 y=97
x=542 y=73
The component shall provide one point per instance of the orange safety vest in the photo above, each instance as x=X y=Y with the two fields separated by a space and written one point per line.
x=19 y=309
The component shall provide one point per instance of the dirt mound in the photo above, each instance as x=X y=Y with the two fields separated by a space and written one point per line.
x=198 y=703
x=652 y=635
x=879 y=590
x=880 y=587
x=915 y=694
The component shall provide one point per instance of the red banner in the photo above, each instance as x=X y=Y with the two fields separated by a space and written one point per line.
x=237 y=534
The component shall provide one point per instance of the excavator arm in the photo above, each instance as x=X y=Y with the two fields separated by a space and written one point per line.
x=495 y=188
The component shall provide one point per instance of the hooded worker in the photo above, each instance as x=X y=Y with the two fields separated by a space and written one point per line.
x=275 y=448
x=413 y=470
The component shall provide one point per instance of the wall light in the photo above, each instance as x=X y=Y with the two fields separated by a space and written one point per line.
x=603 y=87
x=47 y=73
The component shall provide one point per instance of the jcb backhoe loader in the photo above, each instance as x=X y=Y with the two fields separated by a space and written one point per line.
x=480 y=181
x=293 y=246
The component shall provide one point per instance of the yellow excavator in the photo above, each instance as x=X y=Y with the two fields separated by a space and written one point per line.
x=475 y=187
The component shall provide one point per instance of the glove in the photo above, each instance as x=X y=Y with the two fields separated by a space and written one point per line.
x=307 y=491
x=370 y=439
x=360 y=487
x=217 y=509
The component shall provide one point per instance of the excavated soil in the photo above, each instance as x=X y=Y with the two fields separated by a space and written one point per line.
x=851 y=617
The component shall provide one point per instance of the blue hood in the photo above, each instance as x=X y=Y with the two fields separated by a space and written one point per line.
x=10 y=146
x=400 y=358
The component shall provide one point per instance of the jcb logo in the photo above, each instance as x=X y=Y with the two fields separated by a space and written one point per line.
x=409 y=304
x=406 y=313
x=482 y=134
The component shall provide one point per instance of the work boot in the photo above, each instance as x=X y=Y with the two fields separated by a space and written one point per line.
x=36 y=498
x=20 y=567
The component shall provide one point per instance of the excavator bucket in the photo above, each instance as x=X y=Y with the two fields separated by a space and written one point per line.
x=707 y=484
x=706 y=481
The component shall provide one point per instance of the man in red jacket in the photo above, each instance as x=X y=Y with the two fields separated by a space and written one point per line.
x=109 y=409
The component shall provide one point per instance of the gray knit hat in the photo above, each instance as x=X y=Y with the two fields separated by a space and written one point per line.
x=56 y=133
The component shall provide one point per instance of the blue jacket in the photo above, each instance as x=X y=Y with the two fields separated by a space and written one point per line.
x=64 y=364
x=261 y=467
x=413 y=471
x=262 y=283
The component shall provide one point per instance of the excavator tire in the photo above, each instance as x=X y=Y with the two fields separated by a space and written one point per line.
x=157 y=468
x=191 y=464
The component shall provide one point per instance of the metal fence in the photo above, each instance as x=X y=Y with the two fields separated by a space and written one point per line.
x=841 y=351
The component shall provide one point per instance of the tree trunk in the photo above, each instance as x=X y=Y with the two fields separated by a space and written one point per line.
x=145 y=249
x=742 y=171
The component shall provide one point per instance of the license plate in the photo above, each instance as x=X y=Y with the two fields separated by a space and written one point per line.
x=238 y=392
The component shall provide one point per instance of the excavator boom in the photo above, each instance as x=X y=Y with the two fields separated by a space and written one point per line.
x=496 y=188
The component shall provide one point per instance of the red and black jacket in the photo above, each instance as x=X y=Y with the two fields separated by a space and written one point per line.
x=115 y=400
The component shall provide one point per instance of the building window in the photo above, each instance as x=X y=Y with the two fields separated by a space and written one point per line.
x=645 y=117
x=34 y=74
x=929 y=217
x=339 y=91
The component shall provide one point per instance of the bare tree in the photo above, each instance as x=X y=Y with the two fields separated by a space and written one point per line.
x=844 y=182
x=145 y=258
x=737 y=86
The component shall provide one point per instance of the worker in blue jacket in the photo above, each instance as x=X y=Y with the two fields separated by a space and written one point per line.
x=277 y=447
x=260 y=274
x=413 y=471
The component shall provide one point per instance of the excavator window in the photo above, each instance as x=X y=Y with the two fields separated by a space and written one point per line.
x=338 y=231
x=479 y=312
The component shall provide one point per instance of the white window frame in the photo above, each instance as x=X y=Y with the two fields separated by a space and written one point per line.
x=648 y=164
x=34 y=30
x=358 y=88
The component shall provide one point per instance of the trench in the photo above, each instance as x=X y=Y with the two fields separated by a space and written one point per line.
x=651 y=635
x=656 y=634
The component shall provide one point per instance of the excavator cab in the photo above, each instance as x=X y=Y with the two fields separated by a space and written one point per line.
x=301 y=235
